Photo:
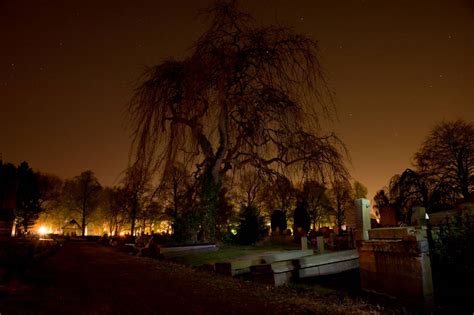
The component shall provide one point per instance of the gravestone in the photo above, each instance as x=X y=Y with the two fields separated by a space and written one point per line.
x=362 y=222
x=320 y=243
x=304 y=243
x=388 y=217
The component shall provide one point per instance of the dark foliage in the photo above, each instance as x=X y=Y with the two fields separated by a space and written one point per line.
x=408 y=190
x=315 y=198
x=278 y=221
x=186 y=226
x=224 y=213
x=453 y=261
x=252 y=227
x=447 y=157
x=301 y=217
x=8 y=185
x=28 y=197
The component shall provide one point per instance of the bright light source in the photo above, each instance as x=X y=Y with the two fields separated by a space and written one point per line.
x=42 y=230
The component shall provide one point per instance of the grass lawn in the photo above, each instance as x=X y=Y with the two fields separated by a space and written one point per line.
x=230 y=252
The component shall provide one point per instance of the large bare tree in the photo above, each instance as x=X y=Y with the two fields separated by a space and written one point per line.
x=315 y=195
x=447 y=156
x=82 y=194
x=137 y=188
x=343 y=196
x=245 y=95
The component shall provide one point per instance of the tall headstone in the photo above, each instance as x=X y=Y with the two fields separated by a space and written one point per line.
x=304 y=243
x=362 y=222
x=320 y=243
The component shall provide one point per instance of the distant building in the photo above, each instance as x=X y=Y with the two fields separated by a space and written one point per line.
x=72 y=228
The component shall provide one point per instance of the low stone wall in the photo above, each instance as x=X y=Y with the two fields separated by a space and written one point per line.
x=395 y=261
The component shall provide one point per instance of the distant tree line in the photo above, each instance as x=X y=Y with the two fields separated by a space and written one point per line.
x=247 y=205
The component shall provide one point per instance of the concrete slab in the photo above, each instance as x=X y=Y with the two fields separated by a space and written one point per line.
x=328 y=258
x=287 y=255
x=329 y=269
x=283 y=266
x=236 y=267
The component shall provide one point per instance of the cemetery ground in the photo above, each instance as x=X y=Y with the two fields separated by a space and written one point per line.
x=86 y=278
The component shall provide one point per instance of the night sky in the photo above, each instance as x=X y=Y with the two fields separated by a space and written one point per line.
x=67 y=69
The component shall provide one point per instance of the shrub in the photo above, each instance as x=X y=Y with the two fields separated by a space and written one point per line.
x=453 y=261
x=252 y=227
x=278 y=221
x=186 y=227
x=301 y=217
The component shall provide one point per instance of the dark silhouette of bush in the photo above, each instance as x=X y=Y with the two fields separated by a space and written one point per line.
x=252 y=227
x=278 y=221
x=453 y=261
x=301 y=218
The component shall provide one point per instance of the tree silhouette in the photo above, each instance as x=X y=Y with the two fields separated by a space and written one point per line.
x=360 y=191
x=280 y=194
x=137 y=185
x=114 y=208
x=176 y=190
x=343 y=198
x=382 y=199
x=246 y=95
x=278 y=221
x=301 y=219
x=82 y=194
x=407 y=191
x=447 y=156
x=28 y=195
x=251 y=188
x=251 y=227
x=8 y=186
x=314 y=195
x=50 y=187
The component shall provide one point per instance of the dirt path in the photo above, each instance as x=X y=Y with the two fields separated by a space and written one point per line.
x=85 y=278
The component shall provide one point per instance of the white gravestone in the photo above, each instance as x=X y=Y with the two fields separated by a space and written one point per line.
x=362 y=206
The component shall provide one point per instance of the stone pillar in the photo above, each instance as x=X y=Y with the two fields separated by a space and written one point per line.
x=362 y=207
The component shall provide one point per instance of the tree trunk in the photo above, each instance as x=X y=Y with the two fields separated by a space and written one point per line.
x=210 y=188
x=83 y=222
x=133 y=218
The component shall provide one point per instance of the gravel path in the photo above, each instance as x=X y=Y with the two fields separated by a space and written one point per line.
x=85 y=278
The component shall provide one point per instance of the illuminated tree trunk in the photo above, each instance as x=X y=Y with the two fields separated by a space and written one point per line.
x=84 y=219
